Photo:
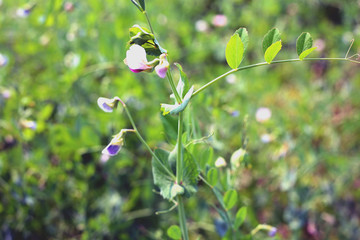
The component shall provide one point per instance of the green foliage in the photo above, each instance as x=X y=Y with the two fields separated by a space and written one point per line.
x=143 y=37
x=174 y=232
x=168 y=188
x=54 y=182
x=240 y=217
x=230 y=199
x=244 y=36
x=140 y=4
x=234 y=51
x=183 y=85
x=272 y=51
x=270 y=38
x=190 y=175
x=212 y=176
x=177 y=108
x=304 y=45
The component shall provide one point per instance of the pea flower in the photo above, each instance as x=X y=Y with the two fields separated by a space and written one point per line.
x=28 y=124
x=162 y=67
x=107 y=104
x=272 y=232
x=116 y=143
x=136 y=59
x=201 y=26
x=220 y=162
x=22 y=12
x=219 y=20
x=263 y=114
x=3 y=60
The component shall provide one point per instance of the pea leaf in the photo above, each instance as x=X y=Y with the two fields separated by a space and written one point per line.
x=272 y=51
x=306 y=52
x=183 y=85
x=304 y=42
x=244 y=35
x=168 y=188
x=190 y=175
x=234 y=51
x=270 y=38
x=174 y=232
x=230 y=199
x=176 y=108
x=143 y=37
x=212 y=176
x=140 y=4
x=304 y=45
x=240 y=217
x=219 y=197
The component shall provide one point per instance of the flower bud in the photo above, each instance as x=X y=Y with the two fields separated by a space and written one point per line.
x=107 y=104
x=115 y=145
x=163 y=66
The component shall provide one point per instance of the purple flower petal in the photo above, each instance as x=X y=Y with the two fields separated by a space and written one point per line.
x=106 y=104
x=161 y=71
x=111 y=149
x=107 y=107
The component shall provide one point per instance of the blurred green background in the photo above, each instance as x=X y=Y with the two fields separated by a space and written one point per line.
x=303 y=170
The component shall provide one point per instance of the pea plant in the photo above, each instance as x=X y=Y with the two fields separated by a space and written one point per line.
x=176 y=173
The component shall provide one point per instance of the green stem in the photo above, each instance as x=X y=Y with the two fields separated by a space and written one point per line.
x=144 y=142
x=148 y=20
x=182 y=218
x=173 y=88
x=261 y=227
x=264 y=64
x=180 y=159
x=168 y=73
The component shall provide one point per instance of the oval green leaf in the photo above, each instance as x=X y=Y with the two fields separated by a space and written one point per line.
x=234 y=51
x=306 y=52
x=272 y=51
x=212 y=176
x=230 y=199
x=240 y=217
x=174 y=232
x=270 y=38
x=244 y=35
x=303 y=43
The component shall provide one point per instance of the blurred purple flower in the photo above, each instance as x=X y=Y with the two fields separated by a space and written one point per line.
x=221 y=227
x=28 y=124
x=3 y=60
x=68 y=6
x=163 y=66
x=136 y=59
x=6 y=94
x=272 y=232
x=104 y=158
x=107 y=104
x=266 y=138
x=23 y=12
x=219 y=20
x=235 y=113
